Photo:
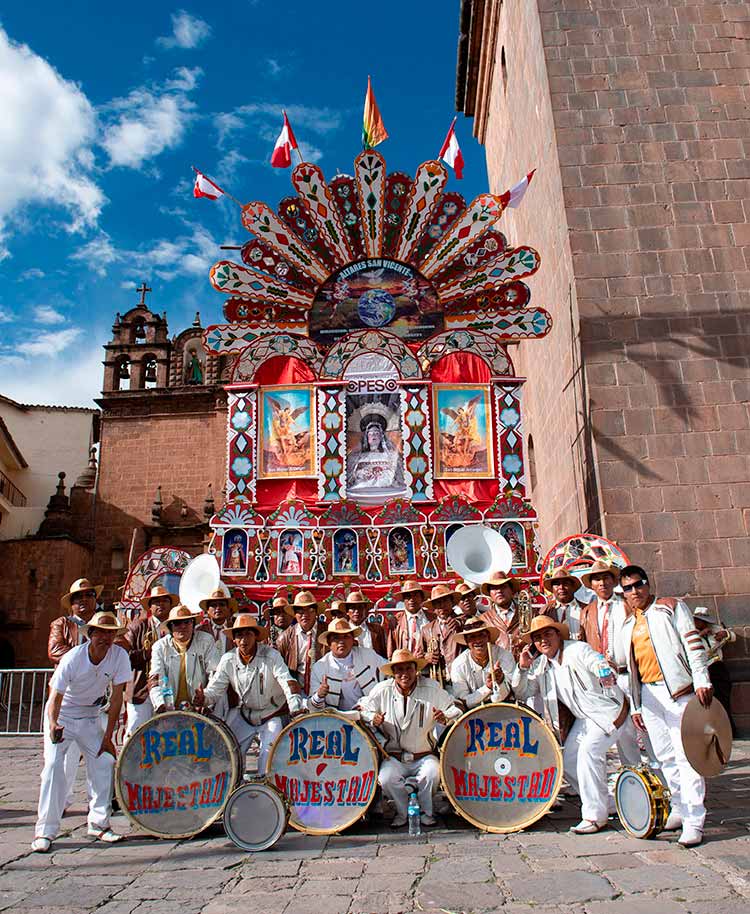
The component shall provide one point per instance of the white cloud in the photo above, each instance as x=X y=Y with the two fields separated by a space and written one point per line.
x=46 y=314
x=266 y=119
x=128 y=285
x=98 y=253
x=5 y=316
x=32 y=273
x=188 y=255
x=187 y=31
x=185 y=79
x=65 y=380
x=50 y=342
x=273 y=67
x=46 y=131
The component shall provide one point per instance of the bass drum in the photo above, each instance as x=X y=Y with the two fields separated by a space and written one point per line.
x=326 y=765
x=256 y=816
x=174 y=775
x=501 y=767
x=642 y=802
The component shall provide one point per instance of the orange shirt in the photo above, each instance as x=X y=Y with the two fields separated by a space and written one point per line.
x=645 y=655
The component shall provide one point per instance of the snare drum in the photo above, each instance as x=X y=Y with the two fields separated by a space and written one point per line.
x=174 y=775
x=256 y=816
x=326 y=766
x=642 y=802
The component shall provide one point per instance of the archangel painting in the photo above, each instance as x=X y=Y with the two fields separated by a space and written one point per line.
x=291 y=554
x=345 y=552
x=401 y=551
x=287 y=432
x=464 y=438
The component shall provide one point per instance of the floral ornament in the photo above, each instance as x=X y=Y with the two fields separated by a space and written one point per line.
x=415 y=418
x=417 y=465
x=512 y=463
x=240 y=421
x=241 y=466
x=509 y=417
x=331 y=422
x=332 y=466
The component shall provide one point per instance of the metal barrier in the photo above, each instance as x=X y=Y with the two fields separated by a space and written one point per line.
x=22 y=697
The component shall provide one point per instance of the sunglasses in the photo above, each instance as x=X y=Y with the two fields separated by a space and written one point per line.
x=636 y=585
x=83 y=595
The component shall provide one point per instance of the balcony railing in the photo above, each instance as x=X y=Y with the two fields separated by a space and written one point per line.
x=10 y=492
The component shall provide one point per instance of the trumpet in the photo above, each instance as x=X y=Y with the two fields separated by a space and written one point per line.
x=436 y=670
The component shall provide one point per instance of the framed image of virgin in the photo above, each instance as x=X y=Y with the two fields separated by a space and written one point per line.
x=287 y=432
x=463 y=424
x=374 y=461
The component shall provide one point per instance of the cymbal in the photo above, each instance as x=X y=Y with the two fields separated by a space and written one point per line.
x=706 y=737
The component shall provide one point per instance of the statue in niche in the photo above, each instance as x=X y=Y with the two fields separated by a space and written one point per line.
x=193 y=367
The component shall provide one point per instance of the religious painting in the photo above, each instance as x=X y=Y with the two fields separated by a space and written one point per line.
x=401 y=551
x=515 y=536
x=234 y=553
x=287 y=432
x=345 y=552
x=374 y=461
x=290 y=554
x=463 y=449
x=449 y=531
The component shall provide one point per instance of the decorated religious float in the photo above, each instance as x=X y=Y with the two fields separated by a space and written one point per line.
x=374 y=408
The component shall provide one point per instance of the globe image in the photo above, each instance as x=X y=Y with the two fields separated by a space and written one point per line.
x=376 y=308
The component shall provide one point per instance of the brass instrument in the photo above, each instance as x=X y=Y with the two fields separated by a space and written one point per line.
x=436 y=670
x=525 y=611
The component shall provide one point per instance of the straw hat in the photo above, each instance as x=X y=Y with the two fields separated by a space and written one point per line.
x=219 y=594
x=600 y=567
x=704 y=614
x=541 y=622
x=500 y=577
x=357 y=598
x=108 y=622
x=78 y=587
x=339 y=627
x=465 y=589
x=439 y=592
x=157 y=592
x=411 y=587
x=473 y=626
x=304 y=600
x=559 y=574
x=282 y=603
x=402 y=656
x=247 y=620
x=180 y=613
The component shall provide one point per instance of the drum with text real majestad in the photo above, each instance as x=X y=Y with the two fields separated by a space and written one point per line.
x=326 y=765
x=176 y=772
x=501 y=767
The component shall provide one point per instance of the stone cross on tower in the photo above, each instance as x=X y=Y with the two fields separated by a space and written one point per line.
x=143 y=289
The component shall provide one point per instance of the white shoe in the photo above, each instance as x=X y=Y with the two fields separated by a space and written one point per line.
x=104 y=834
x=587 y=827
x=398 y=821
x=41 y=845
x=428 y=821
x=674 y=821
x=690 y=836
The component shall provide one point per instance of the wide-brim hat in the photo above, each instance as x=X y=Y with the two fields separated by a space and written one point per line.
x=247 y=620
x=466 y=589
x=705 y=615
x=497 y=578
x=219 y=594
x=357 y=598
x=540 y=622
x=77 y=587
x=440 y=592
x=600 y=567
x=157 y=592
x=706 y=736
x=282 y=603
x=180 y=613
x=402 y=656
x=559 y=574
x=473 y=626
x=304 y=600
x=411 y=587
x=339 y=627
x=107 y=621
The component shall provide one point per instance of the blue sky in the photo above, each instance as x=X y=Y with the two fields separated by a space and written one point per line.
x=106 y=108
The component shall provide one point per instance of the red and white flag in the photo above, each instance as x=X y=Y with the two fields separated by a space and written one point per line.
x=282 y=151
x=205 y=187
x=513 y=197
x=450 y=152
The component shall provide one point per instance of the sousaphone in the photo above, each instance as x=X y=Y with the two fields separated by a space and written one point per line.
x=200 y=578
x=474 y=552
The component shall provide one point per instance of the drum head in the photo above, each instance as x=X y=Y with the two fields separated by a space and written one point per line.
x=501 y=767
x=635 y=806
x=175 y=773
x=255 y=817
x=327 y=768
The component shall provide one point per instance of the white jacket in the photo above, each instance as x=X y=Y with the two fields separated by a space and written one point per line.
x=366 y=671
x=203 y=657
x=679 y=648
x=580 y=663
x=468 y=678
x=263 y=685
x=411 y=731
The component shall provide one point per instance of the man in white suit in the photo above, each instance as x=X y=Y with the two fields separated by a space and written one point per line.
x=346 y=673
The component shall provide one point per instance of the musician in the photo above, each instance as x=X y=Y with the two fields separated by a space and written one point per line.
x=372 y=634
x=346 y=673
x=716 y=637
x=466 y=599
x=667 y=661
x=280 y=617
x=337 y=610
x=405 y=634
x=185 y=657
x=299 y=645
x=406 y=708
x=218 y=608
x=503 y=614
x=140 y=636
x=472 y=679
x=261 y=679
x=73 y=717
x=564 y=607
x=438 y=642
x=566 y=673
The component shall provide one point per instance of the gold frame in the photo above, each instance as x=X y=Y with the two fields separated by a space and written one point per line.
x=441 y=472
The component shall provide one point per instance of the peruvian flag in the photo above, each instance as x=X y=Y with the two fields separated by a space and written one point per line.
x=513 y=197
x=450 y=152
x=282 y=151
x=205 y=187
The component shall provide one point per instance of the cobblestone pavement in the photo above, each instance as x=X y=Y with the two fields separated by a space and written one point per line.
x=372 y=871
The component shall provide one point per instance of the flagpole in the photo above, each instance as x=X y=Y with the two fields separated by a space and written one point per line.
x=453 y=124
x=225 y=192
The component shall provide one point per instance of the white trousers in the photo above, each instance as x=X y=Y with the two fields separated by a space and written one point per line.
x=628 y=746
x=392 y=778
x=662 y=716
x=72 y=761
x=244 y=732
x=87 y=734
x=138 y=714
x=585 y=767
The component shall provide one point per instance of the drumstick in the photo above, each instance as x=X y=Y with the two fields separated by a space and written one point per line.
x=492 y=667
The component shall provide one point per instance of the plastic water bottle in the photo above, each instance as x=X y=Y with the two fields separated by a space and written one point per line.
x=414 y=814
x=168 y=694
x=606 y=678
